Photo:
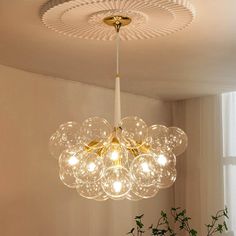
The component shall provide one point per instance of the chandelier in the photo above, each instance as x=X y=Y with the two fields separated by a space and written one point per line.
x=128 y=160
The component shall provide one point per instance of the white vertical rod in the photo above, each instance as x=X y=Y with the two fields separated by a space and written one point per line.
x=117 y=106
x=117 y=115
x=117 y=53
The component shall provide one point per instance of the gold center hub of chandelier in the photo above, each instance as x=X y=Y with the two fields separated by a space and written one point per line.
x=117 y=20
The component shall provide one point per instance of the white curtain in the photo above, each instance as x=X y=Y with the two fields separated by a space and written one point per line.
x=229 y=153
x=199 y=186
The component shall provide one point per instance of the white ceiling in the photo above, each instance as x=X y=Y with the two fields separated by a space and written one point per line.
x=200 y=60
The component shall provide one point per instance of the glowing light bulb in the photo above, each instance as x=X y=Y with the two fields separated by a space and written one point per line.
x=91 y=167
x=162 y=160
x=117 y=185
x=69 y=159
x=115 y=155
x=145 y=167
x=73 y=160
x=144 y=170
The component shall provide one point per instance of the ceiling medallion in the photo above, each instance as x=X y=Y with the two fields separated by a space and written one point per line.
x=84 y=18
x=128 y=160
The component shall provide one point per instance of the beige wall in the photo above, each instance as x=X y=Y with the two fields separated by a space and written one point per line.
x=33 y=202
x=199 y=186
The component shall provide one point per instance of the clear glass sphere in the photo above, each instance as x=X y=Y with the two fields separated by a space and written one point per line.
x=116 y=182
x=167 y=177
x=165 y=159
x=70 y=158
x=158 y=137
x=65 y=137
x=68 y=178
x=91 y=168
x=90 y=190
x=178 y=140
x=132 y=132
x=96 y=132
x=145 y=192
x=144 y=169
x=115 y=154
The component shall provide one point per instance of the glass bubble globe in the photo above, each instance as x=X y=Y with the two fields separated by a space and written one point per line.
x=144 y=169
x=68 y=178
x=90 y=190
x=132 y=132
x=178 y=140
x=91 y=168
x=116 y=182
x=96 y=133
x=165 y=159
x=167 y=177
x=69 y=159
x=158 y=137
x=65 y=137
x=115 y=154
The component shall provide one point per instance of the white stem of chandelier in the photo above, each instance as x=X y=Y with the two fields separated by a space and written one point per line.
x=117 y=106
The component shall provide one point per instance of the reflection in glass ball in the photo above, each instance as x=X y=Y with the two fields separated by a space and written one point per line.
x=68 y=178
x=91 y=168
x=158 y=137
x=90 y=190
x=115 y=154
x=167 y=177
x=69 y=159
x=178 y=140
x=165 y=159
x=144 y=169
x=65 y=137
x=145 y=192
x=132 y=132
x=116 y=182
x=96 y=132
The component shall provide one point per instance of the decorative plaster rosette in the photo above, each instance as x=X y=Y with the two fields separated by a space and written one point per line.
x=84 y=18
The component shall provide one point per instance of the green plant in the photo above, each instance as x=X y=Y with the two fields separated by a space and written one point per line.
x=163 y=227
x=215 y=227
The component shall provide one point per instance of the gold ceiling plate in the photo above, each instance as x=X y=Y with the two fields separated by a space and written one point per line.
x=117 y=20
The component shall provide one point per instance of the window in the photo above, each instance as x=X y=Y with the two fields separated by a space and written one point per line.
x=229 y=154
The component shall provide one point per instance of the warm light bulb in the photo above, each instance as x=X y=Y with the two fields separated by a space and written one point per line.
x=115 y=155
x=91 y=167
x=117 y=185
x=144 y=170
x=73 y=160
x=145 y=167
x=116 y=182
x=162 y=160
x=69 y=159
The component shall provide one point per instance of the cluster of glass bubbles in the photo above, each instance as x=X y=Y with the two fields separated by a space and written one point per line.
x=132 y=161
